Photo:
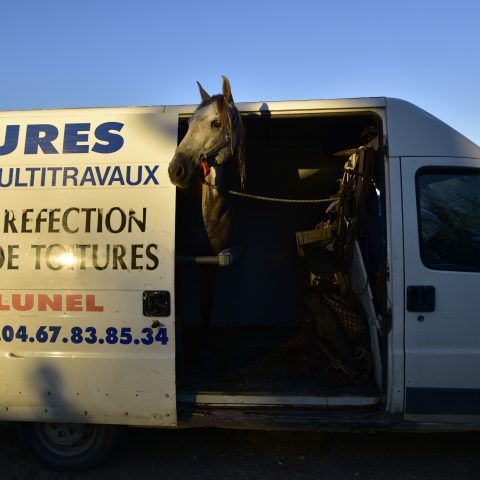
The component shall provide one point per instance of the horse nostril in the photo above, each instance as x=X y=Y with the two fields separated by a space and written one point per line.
x=180 y=172
x=177 y=172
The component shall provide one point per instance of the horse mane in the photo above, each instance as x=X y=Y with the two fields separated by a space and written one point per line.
x=232 y=125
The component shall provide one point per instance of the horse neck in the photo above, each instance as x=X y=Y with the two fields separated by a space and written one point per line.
x=216 y=211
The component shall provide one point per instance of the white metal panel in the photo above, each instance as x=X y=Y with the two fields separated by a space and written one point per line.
x=84 y=234
x=412 y=132
x=395 y=286
x=360 y=284
x=442 y=353
x=299 y=106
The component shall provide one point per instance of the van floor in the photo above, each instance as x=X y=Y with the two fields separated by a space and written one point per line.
x=258 y=360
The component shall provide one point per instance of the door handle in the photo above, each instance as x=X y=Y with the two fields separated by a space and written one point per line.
x=420 y=298
x=156 y=303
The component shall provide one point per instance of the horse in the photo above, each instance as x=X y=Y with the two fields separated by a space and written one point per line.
x=212 y=156
x=211 y=153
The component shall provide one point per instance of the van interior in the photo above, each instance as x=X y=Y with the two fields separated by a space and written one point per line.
x=272 y=341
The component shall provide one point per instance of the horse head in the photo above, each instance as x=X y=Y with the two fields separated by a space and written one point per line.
x=215 y=139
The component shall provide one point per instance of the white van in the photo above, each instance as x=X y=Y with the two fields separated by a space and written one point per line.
x=100 y=326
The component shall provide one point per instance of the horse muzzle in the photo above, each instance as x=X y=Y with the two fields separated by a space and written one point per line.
x=180 y=170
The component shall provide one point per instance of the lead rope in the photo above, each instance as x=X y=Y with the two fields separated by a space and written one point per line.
x=270 y=199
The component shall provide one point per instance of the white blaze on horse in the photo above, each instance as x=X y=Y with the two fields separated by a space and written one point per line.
x=212 y=153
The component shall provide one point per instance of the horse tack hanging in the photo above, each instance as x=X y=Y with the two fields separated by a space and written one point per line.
x=336 y=236
x=358 y=174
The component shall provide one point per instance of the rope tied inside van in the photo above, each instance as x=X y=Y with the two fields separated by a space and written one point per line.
x=270 y=199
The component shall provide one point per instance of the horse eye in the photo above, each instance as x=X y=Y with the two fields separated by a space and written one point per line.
x=215 y=124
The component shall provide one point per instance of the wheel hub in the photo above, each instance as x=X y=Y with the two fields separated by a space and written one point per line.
x=65 y=434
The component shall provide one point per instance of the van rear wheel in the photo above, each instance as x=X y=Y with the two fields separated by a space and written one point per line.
x=68 y=446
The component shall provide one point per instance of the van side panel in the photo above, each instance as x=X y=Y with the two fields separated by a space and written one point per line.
x=87 y=223
x=442 y=281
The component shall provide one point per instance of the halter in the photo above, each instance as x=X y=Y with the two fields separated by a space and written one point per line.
x=208 y=163
x=208 y=160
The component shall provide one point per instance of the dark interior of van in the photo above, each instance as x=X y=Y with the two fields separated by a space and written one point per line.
x=264 y=337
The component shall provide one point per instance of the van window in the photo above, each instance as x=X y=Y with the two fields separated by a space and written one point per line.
x=449 y=218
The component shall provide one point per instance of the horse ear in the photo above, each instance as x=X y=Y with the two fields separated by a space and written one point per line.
x=227 y=90
x=205 y=96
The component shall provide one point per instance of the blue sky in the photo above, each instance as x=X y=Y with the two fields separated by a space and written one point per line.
x=72 y=53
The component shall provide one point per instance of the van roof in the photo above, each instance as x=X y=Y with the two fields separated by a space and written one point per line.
x=409 y=130
x=413 y=132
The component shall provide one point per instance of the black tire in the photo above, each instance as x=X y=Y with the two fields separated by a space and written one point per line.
x=68 y=446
